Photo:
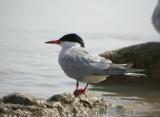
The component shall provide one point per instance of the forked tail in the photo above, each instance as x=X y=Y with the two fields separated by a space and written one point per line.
x=126 y=69
x=134 y=72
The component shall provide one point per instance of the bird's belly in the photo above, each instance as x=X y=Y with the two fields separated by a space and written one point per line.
x=93 y=78
x=80 y=74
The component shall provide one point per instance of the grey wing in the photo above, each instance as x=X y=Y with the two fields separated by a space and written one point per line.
x=91 y=64
x=78 y=63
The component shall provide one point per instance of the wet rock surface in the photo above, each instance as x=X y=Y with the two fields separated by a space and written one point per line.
x=144 y=56
x=61 y=105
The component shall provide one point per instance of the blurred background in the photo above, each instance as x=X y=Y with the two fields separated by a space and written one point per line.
x=83 y=16
x=28 y=65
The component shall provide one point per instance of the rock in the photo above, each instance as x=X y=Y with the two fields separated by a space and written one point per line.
x=61 y=105
x=23 y=99
x=144 y=56
x=65 y=98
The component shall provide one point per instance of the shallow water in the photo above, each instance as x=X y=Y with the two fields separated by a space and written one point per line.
x=28 y=65
x=131 y=101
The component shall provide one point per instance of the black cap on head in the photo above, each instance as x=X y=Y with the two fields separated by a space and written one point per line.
x=72 y=38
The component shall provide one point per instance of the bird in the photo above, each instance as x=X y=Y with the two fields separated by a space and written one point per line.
x=84 y=66
x=156 y=17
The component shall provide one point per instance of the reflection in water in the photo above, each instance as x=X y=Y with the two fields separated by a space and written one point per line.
x=130 y=101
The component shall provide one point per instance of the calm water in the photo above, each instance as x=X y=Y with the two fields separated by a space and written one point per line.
x=28 y=65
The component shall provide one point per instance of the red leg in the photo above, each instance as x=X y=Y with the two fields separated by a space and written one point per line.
x=85 y=87
x=77 y=92
x=77 y=85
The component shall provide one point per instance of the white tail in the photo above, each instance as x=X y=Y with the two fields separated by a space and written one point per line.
x=126 y=70
x=135 y=74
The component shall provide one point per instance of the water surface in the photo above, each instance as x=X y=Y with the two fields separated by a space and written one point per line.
x=28 y=65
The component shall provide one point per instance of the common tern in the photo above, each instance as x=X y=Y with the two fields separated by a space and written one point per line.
x=84 y=66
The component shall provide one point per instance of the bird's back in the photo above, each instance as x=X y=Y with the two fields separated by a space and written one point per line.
x=78 y=63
